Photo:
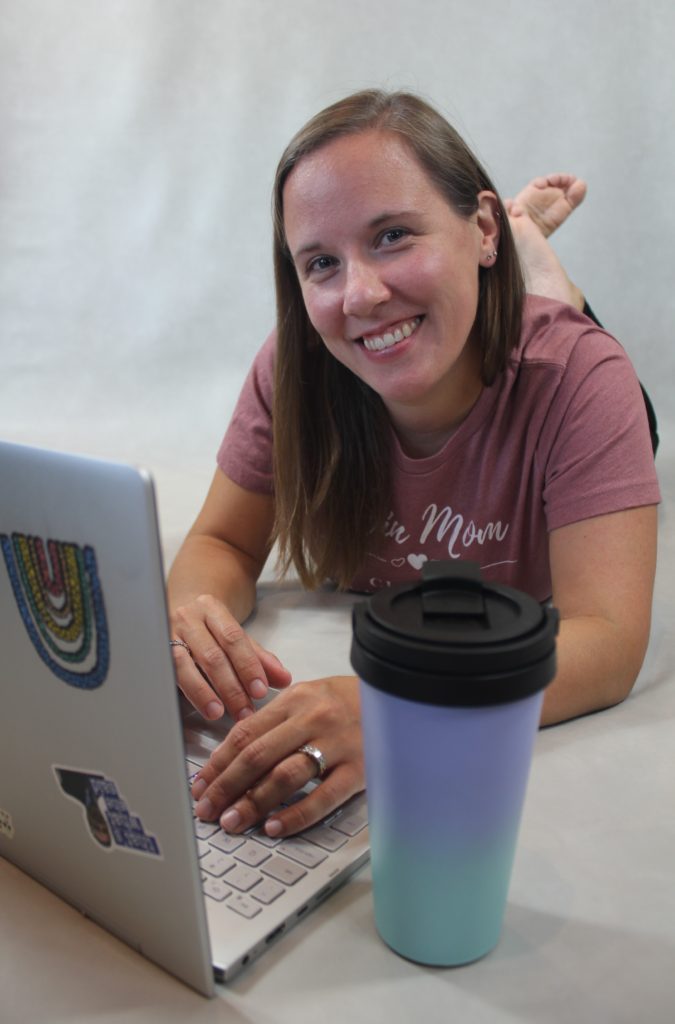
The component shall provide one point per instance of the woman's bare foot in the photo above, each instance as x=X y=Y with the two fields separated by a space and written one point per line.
x=548 y=201
x=543 y=271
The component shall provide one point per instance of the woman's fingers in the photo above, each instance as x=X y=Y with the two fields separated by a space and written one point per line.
x=229 y=670
x=252 y=748
x=259 y=765
x=277 y=674
x=343 y=782
x=286 y=778
x=195 y=687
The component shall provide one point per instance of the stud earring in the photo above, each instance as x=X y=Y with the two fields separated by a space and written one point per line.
x=491 y=255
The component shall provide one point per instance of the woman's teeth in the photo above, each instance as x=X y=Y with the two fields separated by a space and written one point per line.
x=375 y=343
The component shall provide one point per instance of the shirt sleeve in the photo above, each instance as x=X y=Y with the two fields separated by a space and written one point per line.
x=599 y=453
x=245 y=453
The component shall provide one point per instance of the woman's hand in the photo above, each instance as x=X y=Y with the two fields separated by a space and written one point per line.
x=211 y=590
x=259 y=765
x=222 y=668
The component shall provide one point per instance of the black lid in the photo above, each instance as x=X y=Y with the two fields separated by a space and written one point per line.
x=452 y=639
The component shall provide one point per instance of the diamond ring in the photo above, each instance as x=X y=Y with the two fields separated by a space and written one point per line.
x=315 y=755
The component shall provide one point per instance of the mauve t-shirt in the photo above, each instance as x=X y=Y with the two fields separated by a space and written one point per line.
x=561 y=436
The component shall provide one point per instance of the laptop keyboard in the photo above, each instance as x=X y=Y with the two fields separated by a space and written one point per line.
x=250 y=871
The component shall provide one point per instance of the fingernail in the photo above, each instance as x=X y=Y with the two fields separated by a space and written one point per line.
x=273 y=827
x=258 y=689
x=230 y=819
x=205 y=809
x=244 y=713
x=198 y=787
x=214 y=709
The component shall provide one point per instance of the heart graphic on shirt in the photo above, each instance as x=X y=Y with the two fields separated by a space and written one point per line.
x=398 y=562
x=417 y=561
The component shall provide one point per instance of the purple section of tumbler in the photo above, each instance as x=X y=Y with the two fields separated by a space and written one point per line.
x=435 y=767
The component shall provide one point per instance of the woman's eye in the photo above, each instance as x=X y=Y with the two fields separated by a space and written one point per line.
x=320 y=264
x=392 y=235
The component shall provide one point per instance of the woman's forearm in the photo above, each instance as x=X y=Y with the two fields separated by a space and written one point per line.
x=597 y=667
x=206 y=565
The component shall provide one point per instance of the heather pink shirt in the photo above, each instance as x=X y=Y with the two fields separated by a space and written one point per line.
x=561 y=436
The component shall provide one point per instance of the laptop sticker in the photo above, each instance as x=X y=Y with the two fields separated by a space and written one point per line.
x=107 y=817
x=59 y=597
x=6 y=824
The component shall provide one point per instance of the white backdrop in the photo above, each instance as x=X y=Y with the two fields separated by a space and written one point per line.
x=138 y=140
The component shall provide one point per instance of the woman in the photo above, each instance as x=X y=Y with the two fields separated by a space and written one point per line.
x=422 y=408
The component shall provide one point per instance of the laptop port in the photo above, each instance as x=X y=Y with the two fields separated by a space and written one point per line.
x=272 y=935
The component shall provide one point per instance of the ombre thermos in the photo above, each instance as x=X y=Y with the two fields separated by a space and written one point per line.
x=452 y=671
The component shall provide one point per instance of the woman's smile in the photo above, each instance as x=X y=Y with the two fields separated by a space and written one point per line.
x=391 y=336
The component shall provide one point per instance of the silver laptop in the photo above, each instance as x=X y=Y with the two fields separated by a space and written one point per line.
x=94 y=796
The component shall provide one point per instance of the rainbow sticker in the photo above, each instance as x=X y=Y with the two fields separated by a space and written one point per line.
x=60 y=600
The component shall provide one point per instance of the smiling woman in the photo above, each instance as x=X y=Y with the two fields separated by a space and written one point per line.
x=414 y=222
x=412 y=404
x=393 y=295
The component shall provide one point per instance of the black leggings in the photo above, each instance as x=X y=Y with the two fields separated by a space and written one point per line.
x=651 y=415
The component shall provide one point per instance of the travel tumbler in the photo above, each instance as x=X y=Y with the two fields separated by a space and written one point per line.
x=452 y=673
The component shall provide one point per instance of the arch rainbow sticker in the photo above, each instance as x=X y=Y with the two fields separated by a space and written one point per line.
x=59 y=597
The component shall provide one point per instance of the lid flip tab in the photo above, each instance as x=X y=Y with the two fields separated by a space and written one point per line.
x=453 y=589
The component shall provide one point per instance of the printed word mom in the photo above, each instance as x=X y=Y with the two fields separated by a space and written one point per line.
x=459 y=533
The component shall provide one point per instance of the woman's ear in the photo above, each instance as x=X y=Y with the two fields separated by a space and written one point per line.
x=487 y=221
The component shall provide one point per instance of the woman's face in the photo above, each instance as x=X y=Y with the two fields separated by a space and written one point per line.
x=389 y=274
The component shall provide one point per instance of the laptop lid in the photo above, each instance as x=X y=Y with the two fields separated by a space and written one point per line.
x=94 y=800
x=93 y=796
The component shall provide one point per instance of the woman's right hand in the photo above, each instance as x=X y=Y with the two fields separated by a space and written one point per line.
x=222 y=668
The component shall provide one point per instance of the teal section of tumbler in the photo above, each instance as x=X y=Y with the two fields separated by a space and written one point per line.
x=440 y=909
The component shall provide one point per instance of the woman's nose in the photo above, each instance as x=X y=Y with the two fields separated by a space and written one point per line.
x=364 y=289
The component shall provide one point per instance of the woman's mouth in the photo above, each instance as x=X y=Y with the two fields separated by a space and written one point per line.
x=377 y=342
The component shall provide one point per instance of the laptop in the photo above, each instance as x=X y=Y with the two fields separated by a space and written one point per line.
x=95 y=757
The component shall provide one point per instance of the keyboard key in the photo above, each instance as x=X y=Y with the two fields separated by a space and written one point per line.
x=351 y=824
x=303 y=852
x=326 y=838
x=204 y=829
x=225 y=842
x=252 y=854
x=216 y=889
x=267 y=891
x=243 y=905
x=242 y=878
x=202 y=848
x=283 y=870
x=353 y=818
x=216 y=863
x=261 y=837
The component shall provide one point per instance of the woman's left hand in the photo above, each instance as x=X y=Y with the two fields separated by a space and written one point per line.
x=259 y=764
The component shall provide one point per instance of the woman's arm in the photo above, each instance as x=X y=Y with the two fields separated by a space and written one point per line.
x=211 y=590
x=603 y=578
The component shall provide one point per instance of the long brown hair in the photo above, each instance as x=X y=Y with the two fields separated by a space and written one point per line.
x=331 y=432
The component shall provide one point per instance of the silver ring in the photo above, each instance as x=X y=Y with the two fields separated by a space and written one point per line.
x=316 y=756
x=180 y=643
